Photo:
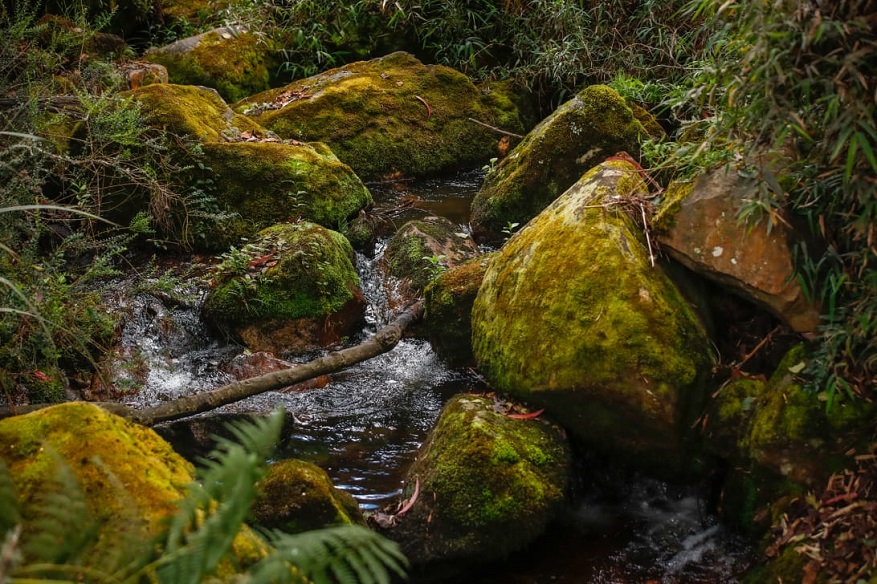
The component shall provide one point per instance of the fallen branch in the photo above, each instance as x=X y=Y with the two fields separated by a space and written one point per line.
x=495 y=129
x=384 y=340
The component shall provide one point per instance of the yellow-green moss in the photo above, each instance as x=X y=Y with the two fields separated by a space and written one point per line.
x=194 y=112
x=490 y=483
x=371 y=114
x=448 y=305
x=676 y=192
x=582 y=132
x=313 y=276
x=297 y=496
x=236 y=67
x=572 y=314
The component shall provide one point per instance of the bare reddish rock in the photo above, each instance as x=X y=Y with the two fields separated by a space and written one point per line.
x=699 y=226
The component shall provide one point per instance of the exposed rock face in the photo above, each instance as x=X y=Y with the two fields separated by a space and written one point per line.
x=595 y=124
x=489 y=484
x=421 y=248
x=778 y=438
x=231 y=60
x=389 y=115
x=701 y=229
x=259 y=179
x=572 y=315
x=296 y=496
x=131 y=479
x=449 y=299
x=296 y=290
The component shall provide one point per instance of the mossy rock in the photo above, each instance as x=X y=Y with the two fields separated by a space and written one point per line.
x=297 y=290
x=193 y=112
x=131 y=479
x=296 y=496
x=423 y=248
x=571 y=314
x=231 y=60
x=389 y=115
x=779 y=439
x=448 y=304
x=256 y=179
x=595 y=124
x=489 y=484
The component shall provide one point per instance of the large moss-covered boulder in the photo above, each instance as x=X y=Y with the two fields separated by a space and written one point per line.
x=423 y=248
x=294 y=289
x=571 y=314
x=230 y=59
x=595 y=124
x=131 y=479
x=488 y=484
x=389 y=115
x=296 y=496
x=256 y=178
x=779 y=439
x=448 y=310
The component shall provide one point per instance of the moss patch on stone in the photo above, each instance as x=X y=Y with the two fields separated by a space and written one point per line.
x=488 y=483
x=388 y=115
x=595 y=124
x=676 y=192
x=130 y=477
x=236 y=65
x=296 y=496
x=449 y=299
x=311 y=275
x=571 y=314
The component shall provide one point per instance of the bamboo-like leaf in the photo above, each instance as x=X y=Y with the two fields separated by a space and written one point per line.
x=9 y=515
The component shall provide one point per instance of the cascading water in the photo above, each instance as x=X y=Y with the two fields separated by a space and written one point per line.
x=365 y=425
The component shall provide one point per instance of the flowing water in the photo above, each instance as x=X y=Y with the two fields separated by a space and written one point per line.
x=365 y=425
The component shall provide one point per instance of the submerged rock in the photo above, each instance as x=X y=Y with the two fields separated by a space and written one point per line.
x=296 y=496
x=422 y=249
x=595 y=124
x=256 y=179
x=229 y=59
x=292 y=290
x=488 y=484
x=130 y=479
x=699 y=225
x=572 y=315
x=448 y=310
x=389 y=115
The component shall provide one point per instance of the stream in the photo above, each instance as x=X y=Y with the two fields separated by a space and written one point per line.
x=365 y=425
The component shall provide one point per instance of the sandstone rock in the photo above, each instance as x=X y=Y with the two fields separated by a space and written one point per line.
x=700 y=228
x=572 y=315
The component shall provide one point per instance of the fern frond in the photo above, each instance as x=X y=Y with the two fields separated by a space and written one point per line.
x=347 y=553
x=211 y=515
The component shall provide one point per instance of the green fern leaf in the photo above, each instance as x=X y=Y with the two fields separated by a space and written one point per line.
x=9 y=514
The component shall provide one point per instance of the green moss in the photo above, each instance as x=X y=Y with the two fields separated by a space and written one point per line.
x=236 y=67
x=676 y=192
x=482 y=488
x=195 y=112
x=571 y=314
x=371 y=114
x=269 y=182
x=448 y=309
x=313 y=276
x=297 y=496
x=582 y=132
x=787 y=567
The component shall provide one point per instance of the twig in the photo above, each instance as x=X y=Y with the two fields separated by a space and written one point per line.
x=495 y=129
x=758 y=347
x=428 y=109
x=642 y=210
x=407 y=507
